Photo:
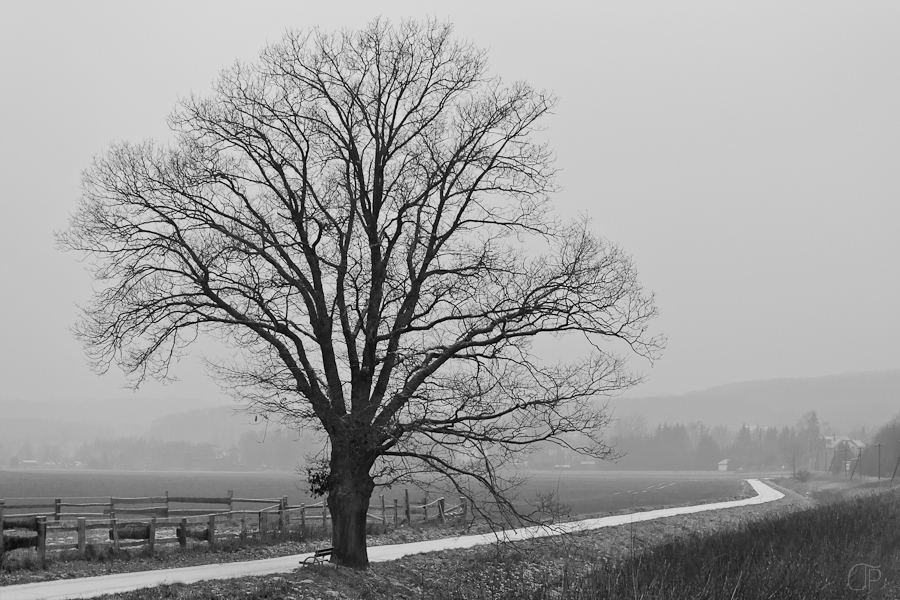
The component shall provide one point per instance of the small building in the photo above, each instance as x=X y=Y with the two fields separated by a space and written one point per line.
x=723 y=465
x=844 y=452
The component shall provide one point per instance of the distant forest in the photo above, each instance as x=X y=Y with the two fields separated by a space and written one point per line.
x=694 y=446
x=279 y=449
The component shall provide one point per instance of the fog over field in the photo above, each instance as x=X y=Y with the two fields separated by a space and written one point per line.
x=845 y=402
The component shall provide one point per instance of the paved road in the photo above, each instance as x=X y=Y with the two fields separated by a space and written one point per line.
x=90 y=587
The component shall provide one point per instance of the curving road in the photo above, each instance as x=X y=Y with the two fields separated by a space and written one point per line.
x=90 y=587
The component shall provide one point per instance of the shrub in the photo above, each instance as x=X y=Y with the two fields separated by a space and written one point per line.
x=802 y=475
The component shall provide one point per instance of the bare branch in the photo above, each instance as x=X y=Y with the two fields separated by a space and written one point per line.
x=366 y=219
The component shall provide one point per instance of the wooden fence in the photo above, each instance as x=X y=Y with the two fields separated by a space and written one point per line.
x=149 y=515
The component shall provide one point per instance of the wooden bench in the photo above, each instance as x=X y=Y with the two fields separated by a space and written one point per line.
x=319 y=556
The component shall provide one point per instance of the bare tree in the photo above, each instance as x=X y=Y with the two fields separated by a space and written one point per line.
x=365 y=217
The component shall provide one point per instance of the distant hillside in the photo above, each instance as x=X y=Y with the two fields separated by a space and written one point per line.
x=127 y=412
x=251 y=444
x=219 y=426
x=16 y=430
x=844 y=401
x=65 y=424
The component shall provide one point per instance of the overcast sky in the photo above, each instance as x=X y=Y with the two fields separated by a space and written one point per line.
x=746 y=154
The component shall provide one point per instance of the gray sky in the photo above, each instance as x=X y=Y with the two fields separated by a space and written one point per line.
x=746 y=154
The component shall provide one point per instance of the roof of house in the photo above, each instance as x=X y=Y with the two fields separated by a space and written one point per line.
x=833 y=441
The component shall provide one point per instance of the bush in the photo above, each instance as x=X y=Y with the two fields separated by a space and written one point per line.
x=802 y=475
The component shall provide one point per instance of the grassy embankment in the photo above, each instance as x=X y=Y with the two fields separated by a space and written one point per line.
x=817 y=553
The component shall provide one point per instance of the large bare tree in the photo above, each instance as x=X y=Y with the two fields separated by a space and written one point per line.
x=365 y=218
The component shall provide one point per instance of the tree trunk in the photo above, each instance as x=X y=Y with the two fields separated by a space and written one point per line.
x=348 y=500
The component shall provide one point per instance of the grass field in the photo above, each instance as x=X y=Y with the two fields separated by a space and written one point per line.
x=85 y=483
x=847 y=548
x=587 y=492
x=584 y=492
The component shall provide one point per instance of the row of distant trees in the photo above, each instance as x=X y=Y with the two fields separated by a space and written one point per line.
x=278 y=449
x=697 y=446
x=791 y=447
x=672 y=447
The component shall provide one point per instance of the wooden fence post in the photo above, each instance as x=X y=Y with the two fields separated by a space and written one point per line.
x=243 y=527
x=383 y=513
x=284 y=515
x=82 y=537
x=182 y=539
x=230 y=500
x=464 y=503
x=42 y=540
x=112 y=509
x=303 y=516
x=441 y=515
x=425 y=507
x=167 y=504
x=211 y=531
x=115 y=532
x=396 y=511
x=408 y=509
x=57 y=509
x=151 y=540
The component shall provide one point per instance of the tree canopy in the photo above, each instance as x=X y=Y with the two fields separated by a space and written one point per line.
x=366 y=218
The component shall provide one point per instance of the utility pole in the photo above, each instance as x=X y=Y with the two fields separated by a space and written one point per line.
x=809 y=456
x=857 y=464
x=879 y=460
x=895 y=467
